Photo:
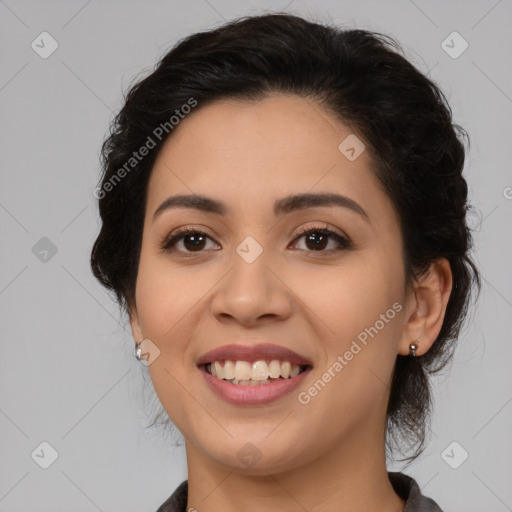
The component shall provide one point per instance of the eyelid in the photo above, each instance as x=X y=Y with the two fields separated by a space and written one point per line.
x=344 y=241
x=324 y=226
x=179 y=233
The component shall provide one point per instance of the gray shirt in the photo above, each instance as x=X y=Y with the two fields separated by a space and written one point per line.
x=405 y=486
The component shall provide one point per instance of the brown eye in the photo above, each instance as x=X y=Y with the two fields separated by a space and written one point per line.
x=317 y=239
x=193 y=241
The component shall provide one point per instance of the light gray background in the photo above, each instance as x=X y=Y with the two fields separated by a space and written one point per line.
x=68 y=376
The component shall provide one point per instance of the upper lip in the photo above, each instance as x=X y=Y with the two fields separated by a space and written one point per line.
x=253 y=353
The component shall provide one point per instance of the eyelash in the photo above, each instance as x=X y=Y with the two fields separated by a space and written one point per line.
x=168 y=244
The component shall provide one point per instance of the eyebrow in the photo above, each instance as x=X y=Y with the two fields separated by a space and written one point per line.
x=282 y=206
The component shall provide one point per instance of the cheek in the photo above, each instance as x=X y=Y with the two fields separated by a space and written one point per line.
x=358 y=310
x=350 y=297
x=165 y=294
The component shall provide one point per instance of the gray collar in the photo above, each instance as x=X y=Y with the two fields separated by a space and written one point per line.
x=405 y=486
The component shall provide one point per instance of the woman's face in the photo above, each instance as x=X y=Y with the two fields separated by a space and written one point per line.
x=250 y=276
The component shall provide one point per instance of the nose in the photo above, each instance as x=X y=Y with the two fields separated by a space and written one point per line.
x=252 y=293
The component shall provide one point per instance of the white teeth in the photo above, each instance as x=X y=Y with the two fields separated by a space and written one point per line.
x=285 y=369
x=217 y=369
x=242 y=370
x=229 y=370
x=274 y=369
x=259 y=371
x=250 y=382
x=245 y=374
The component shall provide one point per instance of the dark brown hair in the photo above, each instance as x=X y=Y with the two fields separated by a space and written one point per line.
x=361 y=77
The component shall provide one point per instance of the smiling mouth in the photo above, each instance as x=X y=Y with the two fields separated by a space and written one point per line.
x=244 y=373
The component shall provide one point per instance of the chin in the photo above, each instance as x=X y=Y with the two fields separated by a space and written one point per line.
x=256 y=455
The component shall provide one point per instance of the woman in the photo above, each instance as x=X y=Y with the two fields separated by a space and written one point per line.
x=284 y=222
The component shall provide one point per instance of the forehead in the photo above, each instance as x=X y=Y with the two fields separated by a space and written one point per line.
x=248 y=152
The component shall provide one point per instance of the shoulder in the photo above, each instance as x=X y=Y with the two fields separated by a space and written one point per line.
x=177 y=502
x=405 y=486
x=409 y=490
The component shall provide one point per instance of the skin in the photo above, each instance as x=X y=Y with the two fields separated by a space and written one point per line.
x=329 y=454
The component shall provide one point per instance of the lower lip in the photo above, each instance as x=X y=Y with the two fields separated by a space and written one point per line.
x=252 y=395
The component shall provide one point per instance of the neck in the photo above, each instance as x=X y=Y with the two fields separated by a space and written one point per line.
x=351 y=478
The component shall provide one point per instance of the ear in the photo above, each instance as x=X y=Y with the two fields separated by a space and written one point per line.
x=135 y=324
x=426 y=308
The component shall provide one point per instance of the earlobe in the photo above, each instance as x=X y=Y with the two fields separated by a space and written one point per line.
x=427 y=308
